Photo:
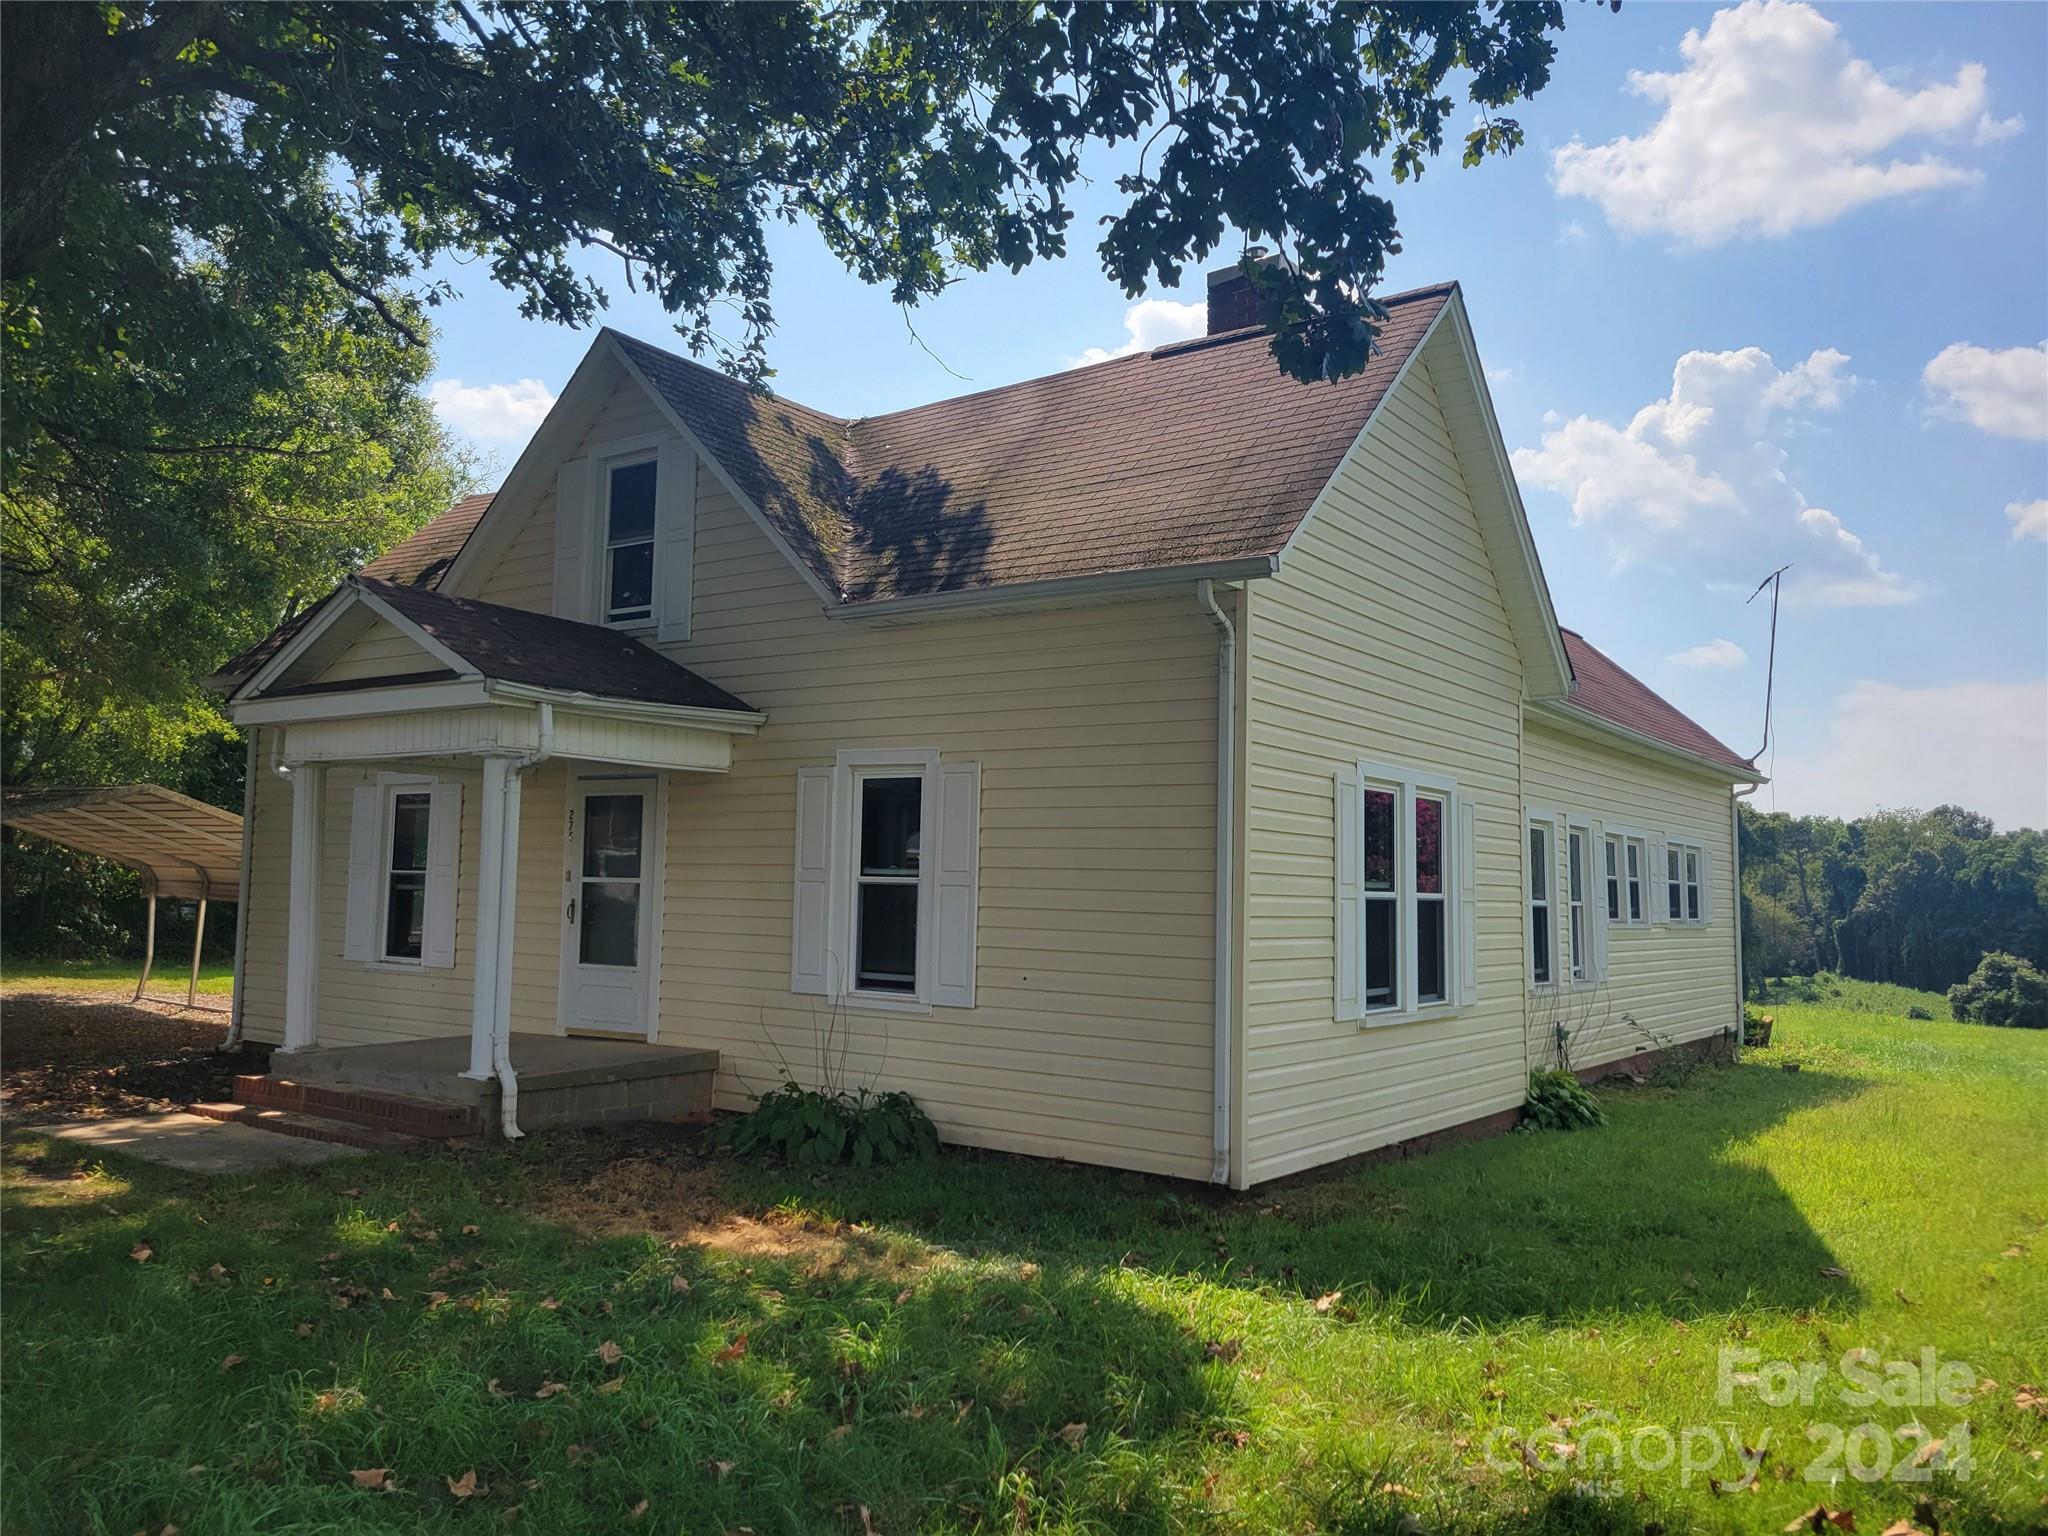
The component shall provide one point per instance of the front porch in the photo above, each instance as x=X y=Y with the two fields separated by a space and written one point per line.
x=563 y=1082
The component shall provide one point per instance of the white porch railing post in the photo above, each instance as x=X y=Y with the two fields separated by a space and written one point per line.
x=490 y=879
x=302 y=944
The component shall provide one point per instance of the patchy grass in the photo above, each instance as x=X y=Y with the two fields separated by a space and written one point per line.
x=167 y=979
x=1846 y=993
x=987 y=1344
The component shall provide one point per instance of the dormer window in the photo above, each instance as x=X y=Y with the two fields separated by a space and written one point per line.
x=629 y=544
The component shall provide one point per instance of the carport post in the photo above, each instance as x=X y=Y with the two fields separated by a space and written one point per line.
x=198 y=938
x=148 y=943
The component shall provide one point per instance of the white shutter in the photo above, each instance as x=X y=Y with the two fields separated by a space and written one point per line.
x=1467 y=855
x=1706 y=888
x=574 y=537
x=1596 y=905
x=810 y=943
x=954 y=898
x=675 y=530
x=1657 y=890
x=365 y=835
x=1350 y=864
x=444 y=852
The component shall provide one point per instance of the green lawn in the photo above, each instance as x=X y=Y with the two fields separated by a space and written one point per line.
x=982 y=1344
x=167 y=978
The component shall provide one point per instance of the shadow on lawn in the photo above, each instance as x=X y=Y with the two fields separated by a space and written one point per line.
x=1659 y=1211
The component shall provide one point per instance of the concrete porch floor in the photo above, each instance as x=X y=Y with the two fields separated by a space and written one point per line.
x=432 y=1068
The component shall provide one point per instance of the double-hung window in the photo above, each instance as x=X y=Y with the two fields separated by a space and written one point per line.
x=886 y=880
x=1575 y=900
x=1611 y=853
x=629 y=543
x=1692 y=885
x=407 y=818
x=1402 y=893
x=1674 y=883
x=1637 y=854
x=1542 y=917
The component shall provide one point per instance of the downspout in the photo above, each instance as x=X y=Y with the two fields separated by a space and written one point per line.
x=249 y=771
x=508 y=901
x=1226 y=884
x=1735 y=799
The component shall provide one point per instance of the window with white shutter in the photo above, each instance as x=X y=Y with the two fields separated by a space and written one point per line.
x=403 y=870
x=1404 y=894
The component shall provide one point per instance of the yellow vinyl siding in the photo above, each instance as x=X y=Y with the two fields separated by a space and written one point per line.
x=379 y=651
x=1676 y=980
x=1383 y=637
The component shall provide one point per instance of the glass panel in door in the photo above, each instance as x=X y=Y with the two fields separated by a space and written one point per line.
x=609 y=933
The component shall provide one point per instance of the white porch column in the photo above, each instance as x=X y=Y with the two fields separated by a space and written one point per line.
x=302 y=945
x=490 y=886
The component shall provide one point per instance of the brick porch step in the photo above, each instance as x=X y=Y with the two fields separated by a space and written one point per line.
x=361 y=1106
x=310 y=1127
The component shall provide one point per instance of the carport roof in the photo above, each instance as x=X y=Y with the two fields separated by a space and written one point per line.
x=158 y=831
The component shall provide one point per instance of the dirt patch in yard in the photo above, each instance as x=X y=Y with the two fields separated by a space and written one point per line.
x=683 y=1199
x=63 y=1055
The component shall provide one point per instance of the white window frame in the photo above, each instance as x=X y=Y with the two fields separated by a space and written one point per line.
x=1635 y=882
x=1691 y=853
x=855 y=767
x=1580 y=964
x=1613 y=877
x=1409 y=784
x=389 y=787
x=622 y=453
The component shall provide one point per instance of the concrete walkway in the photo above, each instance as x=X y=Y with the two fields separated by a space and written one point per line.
x=195 y=1143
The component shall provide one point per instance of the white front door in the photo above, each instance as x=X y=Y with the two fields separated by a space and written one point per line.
x=610 y=887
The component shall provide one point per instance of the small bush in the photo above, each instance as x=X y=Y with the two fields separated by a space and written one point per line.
x=805 y=1126
x=2003 y=990
x=1558 y=1101
x=1917 y=1012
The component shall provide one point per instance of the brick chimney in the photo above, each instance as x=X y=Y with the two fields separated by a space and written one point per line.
x=1233 y=303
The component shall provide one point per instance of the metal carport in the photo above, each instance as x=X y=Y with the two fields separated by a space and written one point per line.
x=181 y=846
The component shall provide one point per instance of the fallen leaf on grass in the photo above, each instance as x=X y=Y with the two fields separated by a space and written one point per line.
x=230 y=1363
x=472 y=1230
x=1820 y=1517
x=720 y=1469
x=732 y=1351
x=465 y=1486
x=1835 y=1272
x=1074 y=1434
x=1902 y=1527
x=609 y=1387
x=389 y=1294
x=1328 y=1300
x=638 y=1511
x=608 y=1352
x=377 y=1479
x=578 y=1451
x=142 y=1252
x=1904 y=1299
x=304 y=1330
x=549 y=1304
x=2030 y=1397
x=218 y=1270
x=904 y=1295
x=1225 y=1350
x=678 y=1285
x=840 y=1433
x=549 y=1388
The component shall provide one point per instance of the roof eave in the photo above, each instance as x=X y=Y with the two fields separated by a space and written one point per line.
x=1572 y=717
x=1053 y=591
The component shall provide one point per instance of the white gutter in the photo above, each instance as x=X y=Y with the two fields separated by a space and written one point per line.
x=249 y=771
x=1226 y=884
x=508 y=904
x=1055 y=589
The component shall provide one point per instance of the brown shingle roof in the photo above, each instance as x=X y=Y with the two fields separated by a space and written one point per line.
x=516 y=645
x=1600 y=687
x=421 y=560
x=1191 y=454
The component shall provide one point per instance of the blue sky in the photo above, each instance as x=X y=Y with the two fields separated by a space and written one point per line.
x=1767 y=283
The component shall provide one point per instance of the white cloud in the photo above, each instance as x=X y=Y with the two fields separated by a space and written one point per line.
x=498 y=413
x=2004 y=393
x=1715 y=653
x=2029 y=519
x=1151 y=323
x=1980 y=745
x=1774 y=125
x=1571 y=232
x=1702 y=473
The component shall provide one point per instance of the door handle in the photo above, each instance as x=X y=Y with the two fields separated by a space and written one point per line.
x=572 y=911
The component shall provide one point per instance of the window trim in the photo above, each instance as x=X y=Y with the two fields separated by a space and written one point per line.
x=1691 y=853
x=1635 y=902
x=389 y=787
x=853 y=767
x=1545 y=823
x=1407 y=784
x=1611 y=879
x=623 y=453
x=1579 y=971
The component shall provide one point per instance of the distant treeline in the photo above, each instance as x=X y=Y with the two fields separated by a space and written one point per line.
x=1911 y=897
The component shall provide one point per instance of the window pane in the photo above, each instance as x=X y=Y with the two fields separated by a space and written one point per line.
x=1381 y=930
x=409 y=832
x=1429 y=846
x=1430 y=962
x=611 y=923
x=1575 y=859
x=631 y=583
x=1671 y=864
x=632 y=503
x=1578 y=919
x=1379 y=839
x=405 y=916
x=1692 y=903
x=1672 y=899
x=888 y=825
x=1539 y=929
x=611 y=836
x=886 y=944
x=1539 y=864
